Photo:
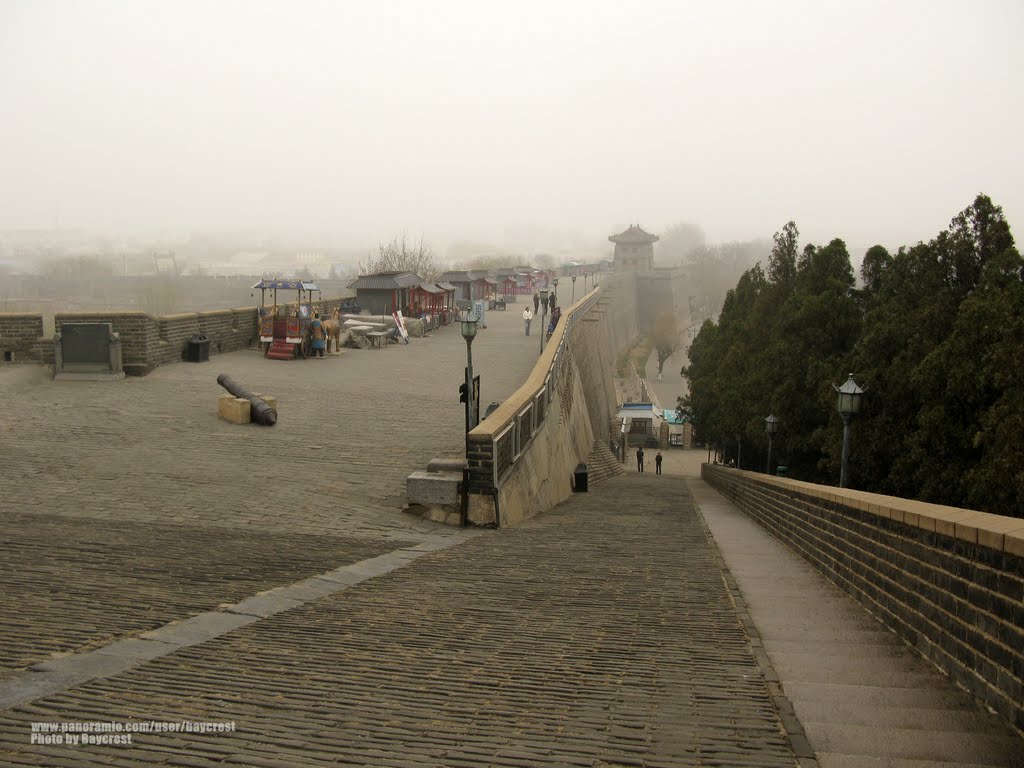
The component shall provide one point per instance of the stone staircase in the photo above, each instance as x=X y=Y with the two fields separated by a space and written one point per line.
x=601 y=463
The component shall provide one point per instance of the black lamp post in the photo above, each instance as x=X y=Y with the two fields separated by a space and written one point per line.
x=543 y=312
x=469 y=333
x=554 y=296
x=574 y=287
x=771 y=426
x=849 y=406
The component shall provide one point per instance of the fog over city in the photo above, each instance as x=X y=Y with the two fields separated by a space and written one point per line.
x=513 y=124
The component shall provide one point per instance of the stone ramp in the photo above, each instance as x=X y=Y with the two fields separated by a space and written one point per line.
x=601 y=463
x=601 y=633
x=865 y=700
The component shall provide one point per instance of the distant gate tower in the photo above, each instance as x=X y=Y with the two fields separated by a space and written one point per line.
x=634 y=250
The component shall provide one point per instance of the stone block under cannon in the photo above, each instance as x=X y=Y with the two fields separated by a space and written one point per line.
x=260 y=410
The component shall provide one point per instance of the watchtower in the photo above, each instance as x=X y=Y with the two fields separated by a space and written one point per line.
x=634 y=250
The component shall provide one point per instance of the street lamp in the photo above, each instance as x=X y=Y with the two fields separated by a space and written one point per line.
x=554 y=292
x=544 y=311
x=469 y=333
x=771 y=426
x=849 y=405
x=574 y=288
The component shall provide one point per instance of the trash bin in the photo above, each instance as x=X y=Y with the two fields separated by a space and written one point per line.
x=780 y=471
x=580 y=478
x=198 y=349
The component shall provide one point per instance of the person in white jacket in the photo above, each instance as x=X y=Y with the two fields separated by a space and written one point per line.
x=527 y=317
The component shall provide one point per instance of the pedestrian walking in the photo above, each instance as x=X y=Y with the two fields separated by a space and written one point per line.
x=536 y=302
x=640 y=459
x=657 y=463
x=527 y=317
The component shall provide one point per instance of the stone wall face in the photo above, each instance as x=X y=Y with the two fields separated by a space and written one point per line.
x=619 y=303
x=20 y=336
x=949 y=581
x=523 y=456
x=542 y=475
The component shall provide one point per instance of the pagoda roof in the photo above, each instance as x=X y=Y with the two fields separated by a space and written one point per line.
x=634 y=235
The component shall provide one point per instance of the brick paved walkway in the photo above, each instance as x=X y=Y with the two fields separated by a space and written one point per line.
x=584 y=637
x=127 y=505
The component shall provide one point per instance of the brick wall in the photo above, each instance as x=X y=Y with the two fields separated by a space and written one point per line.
x=20 y=337
x=949 y=581
x=228 y=330
x=139 y=333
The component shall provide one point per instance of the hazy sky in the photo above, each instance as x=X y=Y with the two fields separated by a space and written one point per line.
x=514 y=123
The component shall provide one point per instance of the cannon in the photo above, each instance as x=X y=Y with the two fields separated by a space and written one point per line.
x=261 y=412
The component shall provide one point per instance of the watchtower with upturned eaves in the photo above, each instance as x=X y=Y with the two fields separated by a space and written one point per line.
x=634 y=250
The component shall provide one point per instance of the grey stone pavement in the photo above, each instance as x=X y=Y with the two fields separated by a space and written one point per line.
x=161 y=565
x=126 y=505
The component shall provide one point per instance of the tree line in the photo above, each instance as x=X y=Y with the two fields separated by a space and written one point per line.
x=935 y=334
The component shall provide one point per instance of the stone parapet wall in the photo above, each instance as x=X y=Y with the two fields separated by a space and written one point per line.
x=146 y=341
x=228 y=330
x=138 y=331
x=20 y=336
x=949 y=581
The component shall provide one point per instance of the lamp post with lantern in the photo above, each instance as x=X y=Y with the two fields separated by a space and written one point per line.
x=849 y=406
x=771 y=426
x=469 y=322
x=544 y=311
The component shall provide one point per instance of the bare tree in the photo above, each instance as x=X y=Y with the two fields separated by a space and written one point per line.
x=485 y=263
x=665 y=336
x=401 y=256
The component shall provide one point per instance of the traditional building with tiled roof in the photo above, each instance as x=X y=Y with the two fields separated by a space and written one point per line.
x=634 y=250
x=385 y=292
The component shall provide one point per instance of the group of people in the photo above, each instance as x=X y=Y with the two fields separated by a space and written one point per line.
x=556 y=314
x=640 y=461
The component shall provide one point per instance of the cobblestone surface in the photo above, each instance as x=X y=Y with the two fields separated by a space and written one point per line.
x=70 y=585
x=124 y=505
x=352 y=427
x=584 y=637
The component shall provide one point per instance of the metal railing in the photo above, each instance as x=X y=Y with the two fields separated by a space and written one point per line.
x=515 y=423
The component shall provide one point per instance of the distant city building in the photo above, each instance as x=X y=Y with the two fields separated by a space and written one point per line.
x=634 y=250
x=316 y=262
